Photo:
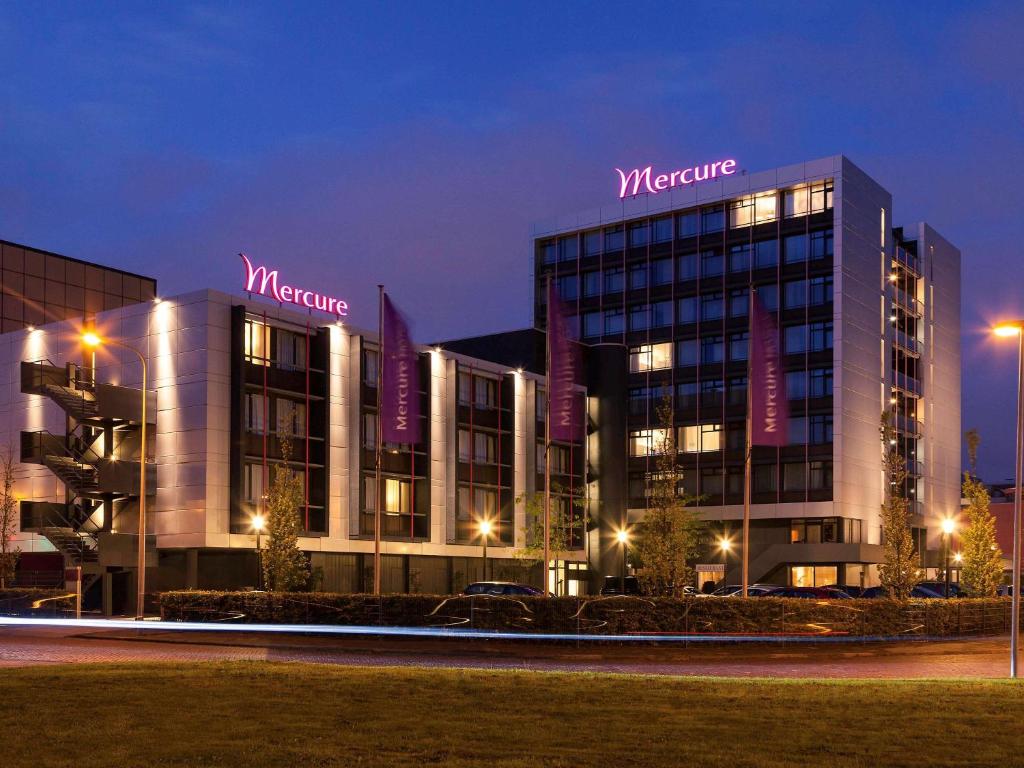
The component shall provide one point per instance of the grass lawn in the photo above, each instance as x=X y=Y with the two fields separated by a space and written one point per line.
x=263 y=714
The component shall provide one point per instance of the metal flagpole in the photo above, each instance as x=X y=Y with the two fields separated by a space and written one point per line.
x=379 y=441
x=547 y=447
x=749 y=425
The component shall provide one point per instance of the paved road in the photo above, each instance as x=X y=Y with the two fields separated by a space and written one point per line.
x=24 y=646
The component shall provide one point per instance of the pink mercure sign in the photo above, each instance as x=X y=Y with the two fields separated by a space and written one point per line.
x=645 y=180
x=265 y=282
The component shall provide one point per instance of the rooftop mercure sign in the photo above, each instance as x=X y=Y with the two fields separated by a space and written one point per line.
x=646 y=180
x=266 y=282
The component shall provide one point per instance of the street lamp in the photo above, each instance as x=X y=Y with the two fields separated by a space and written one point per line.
x=622 y=536
x=485 y=531
x=1016 y=328
x=948 y=526
x=725 y=547
x=92 y=340
x=259 y=524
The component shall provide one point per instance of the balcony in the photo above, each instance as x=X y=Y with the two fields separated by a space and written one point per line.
x=906 y=302
x=74 y=390
x=907 y=425
x=906 y=384
x=907 y=343
x=908 y=260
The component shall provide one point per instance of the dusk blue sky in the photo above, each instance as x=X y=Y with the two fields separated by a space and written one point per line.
x=414 y=144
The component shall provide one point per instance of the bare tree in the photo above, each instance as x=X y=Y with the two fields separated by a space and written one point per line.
x=8 y=510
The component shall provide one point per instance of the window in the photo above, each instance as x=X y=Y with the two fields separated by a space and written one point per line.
x=614 y=280
x=821 y=197
x=711 y=349
x=650 y=357
x=661 y=272
x=291 y=350
x=701 y=438
x=712 y=219
x=794 y=476
x=765 y=478
x=819 y=429
x=766 y=254
x=559 y=458
x=686 y=267
x=568 y=248
x=661 y=314
x=711 y=391
x=591 y=324
x=738 y=390
x=568 y=287
x=687 y=309
x=797 y=430
x=739 y=302
x=688 y=352
x=291 y=417
x=547 y=252
x=638 y=234
x=370 y=431
x=769 y=296
x=812 y=530
x=591 y=283
x=813 y=575
x=592 y=242
x=255 y=408
x=687 y=392
x=753 y=209
x=465 y=388
x=738 y=343
x=807 y=199
x=257 y=343
x=712 y=306
x=485 y=391
x=712 y=264
x=735 y=439
x=686 y=224
x=646 y=442
x=852 y=529
x=821 y=382
x=741 y=212
x=795 y=339
x=482 y=504
x=614 y=321
x=711 y=480
x=662 y=229
x=796 y=385
x=465 y=445
x=820 y=290
x=821 y=244
x=397 y=495
x=820 y=475
x=821 y=336
x=371 y=359
x=252 y=483
x=613 y=239
x=484 y=448
x=637 y=277
x=766 y=207
x=794 y=294
x=638 y=314
x=794 y=249
x=739 y=258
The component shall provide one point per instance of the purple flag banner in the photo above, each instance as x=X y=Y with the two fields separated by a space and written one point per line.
x=400 y=399
x=566 y=404
x=769 y=407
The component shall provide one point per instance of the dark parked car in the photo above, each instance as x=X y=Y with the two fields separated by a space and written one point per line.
x=939 y=588
x=918 y=591
x=754 y=590
x=851 y=589
x=621 y=585
x=810 y=593
x=500 y=588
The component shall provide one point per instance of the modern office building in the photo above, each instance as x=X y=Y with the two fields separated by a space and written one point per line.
x=238 y=386
x=869 y=318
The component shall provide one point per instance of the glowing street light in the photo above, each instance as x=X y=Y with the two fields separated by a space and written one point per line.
x=259 y=524
x=622 y=536
x=948 y=526
x=725 y=547
x=92 y=340
x=484 y=526
x=1006 y=330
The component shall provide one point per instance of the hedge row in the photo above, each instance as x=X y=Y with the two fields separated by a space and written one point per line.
x=597 y=615
x=30 y=601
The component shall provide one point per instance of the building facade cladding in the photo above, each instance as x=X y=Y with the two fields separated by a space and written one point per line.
x=240 y=381
x=668 y=276
x=40 y=287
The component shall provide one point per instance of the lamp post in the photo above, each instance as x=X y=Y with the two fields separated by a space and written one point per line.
x=92 y=340
x=258 y=525
x=1016 y=328
x=725 y=546
x=948 y=526
x=623 y=538
x=485 y=531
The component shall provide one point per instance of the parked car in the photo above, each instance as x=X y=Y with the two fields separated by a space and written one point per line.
x=754 y=590
x=621 y=585
x=500 y=588
x=810 y=593
x=939 y=588
x=918 y=591
x=851 y=589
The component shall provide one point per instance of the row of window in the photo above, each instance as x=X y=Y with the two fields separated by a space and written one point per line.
x=827 y=530
x=712 y=262
x=815 y=429
x=750 y=209
x=287 y=416
x=277 y=347
x=812 y=383
x=795 y=476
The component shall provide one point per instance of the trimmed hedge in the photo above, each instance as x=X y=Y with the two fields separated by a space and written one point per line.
x=599 y=615
x=19 y=601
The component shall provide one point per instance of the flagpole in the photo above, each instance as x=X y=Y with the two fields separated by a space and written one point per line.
x=547 y=447
x=745 y=547
x=379 y=441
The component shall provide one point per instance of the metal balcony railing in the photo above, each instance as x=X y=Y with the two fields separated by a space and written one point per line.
x=906 y=302
x=907 y=343
x=906 y=383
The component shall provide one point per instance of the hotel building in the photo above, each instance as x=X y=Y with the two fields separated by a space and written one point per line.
x=869 y=318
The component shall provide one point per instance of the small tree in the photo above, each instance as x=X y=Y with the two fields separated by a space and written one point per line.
x=563 y=519
x=284 y=566
x=8 y=509
x=981 y=568
x=668 y=538
x=900 y=572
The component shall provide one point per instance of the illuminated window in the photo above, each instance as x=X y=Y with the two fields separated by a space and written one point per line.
x=291 y=350
x=812 y=575
x=252 y=483
x=482 y=503
x=753 y=209
x=765 y=207
x=291 y=417
x=701 y=438
x=807 y=199
x=257 y=342
x=646 y=442
x=397 y=495
x=650 y=357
